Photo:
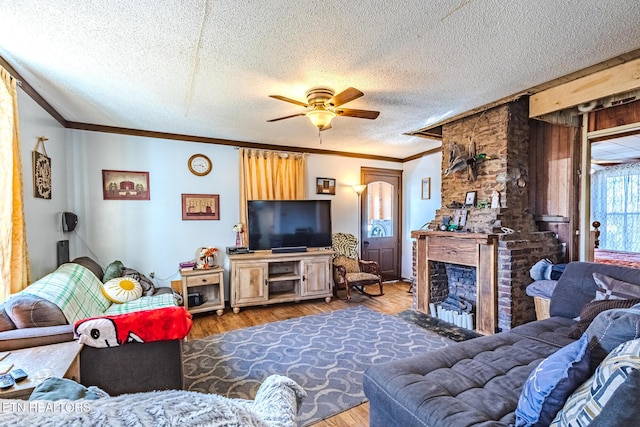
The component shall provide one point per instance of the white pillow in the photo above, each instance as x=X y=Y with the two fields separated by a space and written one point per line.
x=122 y=289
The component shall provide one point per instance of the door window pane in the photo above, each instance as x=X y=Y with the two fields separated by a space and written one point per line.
x=380 y=202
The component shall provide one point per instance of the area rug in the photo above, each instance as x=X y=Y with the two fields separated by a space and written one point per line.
x=326 y=354
x=440 y=327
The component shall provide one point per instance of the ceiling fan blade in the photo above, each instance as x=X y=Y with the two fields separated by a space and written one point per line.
x=286 y=117
x=345 y=96
x=285 y=99
x=361 y=114
x=327 y=127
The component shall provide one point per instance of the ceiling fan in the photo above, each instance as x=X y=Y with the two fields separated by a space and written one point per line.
x=322 y=106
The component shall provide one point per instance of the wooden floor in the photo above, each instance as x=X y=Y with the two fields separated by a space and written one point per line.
x=395 y=300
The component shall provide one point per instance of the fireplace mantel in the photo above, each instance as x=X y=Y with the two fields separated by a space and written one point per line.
x=477 y=250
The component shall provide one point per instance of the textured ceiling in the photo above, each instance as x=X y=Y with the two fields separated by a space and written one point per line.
x=206 y=68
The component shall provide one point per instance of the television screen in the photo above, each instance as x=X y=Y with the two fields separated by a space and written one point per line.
x=289 y=223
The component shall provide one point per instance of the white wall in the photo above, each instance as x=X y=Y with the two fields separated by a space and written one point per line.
x=151 y=235
x=43 y=216
x=346 y=171
x=417 y=211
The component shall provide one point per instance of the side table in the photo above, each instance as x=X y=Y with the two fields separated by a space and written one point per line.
x=209 y=283
x=40 y=363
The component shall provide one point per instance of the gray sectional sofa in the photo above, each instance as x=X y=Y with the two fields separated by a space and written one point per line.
x=478 y=382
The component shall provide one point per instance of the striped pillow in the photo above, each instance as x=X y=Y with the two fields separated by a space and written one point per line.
x=588 y=401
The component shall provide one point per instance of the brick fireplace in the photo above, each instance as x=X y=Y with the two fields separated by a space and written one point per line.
x=502 y=134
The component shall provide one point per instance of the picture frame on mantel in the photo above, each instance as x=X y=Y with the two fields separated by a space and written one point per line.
x=326 y=186
x=426 y=188
x=470 y=199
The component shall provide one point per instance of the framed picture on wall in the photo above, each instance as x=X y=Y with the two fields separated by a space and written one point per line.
x=426 y=188
x=200 y=206
x=326 y=186
x=125 y=185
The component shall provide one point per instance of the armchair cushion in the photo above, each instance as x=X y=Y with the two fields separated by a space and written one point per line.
x=350 y=264
x=359 y=277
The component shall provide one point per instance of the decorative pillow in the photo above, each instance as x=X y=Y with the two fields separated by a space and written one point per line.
x=586 y=404
x=122 y=289
x=551 y=382
x=592 y=309
x=610 y=329
x=112 y=271
x=610 y=288
x=345 y=244
x=147 y=285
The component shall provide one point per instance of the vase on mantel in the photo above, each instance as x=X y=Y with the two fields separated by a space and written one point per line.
x=238 y=240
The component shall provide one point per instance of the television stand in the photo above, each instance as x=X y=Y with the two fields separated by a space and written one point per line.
x=269 y=278
x=289 y=249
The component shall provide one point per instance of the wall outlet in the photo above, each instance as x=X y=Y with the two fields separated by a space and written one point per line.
x=152 y=275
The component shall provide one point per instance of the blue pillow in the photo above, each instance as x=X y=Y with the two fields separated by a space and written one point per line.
x=552 y=382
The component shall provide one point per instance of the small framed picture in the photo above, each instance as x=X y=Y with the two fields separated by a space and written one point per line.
x=125 y=185
x=426 y=188
x=470 y=199
x=200 y=206
x=460 y=219
x=326 y=186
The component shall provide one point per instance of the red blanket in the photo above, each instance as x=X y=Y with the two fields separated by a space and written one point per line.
x=168 y=323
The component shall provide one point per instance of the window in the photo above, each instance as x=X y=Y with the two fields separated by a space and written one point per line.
x=615 y=202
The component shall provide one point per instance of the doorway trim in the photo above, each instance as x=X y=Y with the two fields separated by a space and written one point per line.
x=396 y=174
x=586 y=248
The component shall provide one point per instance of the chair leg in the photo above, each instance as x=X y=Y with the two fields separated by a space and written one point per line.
x=361 y=289
x=335 y=292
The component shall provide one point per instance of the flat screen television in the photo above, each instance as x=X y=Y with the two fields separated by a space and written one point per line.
x=275 y=224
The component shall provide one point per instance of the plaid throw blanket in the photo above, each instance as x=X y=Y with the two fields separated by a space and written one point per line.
x=73 y=288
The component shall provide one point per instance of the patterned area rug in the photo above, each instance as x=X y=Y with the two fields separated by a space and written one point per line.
x=438 y=326
x=326 y=354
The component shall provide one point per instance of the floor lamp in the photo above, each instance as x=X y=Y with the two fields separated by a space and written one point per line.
x=359 y=189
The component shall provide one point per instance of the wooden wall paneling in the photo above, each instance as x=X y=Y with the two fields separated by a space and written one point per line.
x=553 y=186
x=619 y=115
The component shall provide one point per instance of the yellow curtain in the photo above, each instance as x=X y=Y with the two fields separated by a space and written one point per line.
x=15 y=272
x=270 y=175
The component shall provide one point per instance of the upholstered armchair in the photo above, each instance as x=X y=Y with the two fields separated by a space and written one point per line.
x=349 y=271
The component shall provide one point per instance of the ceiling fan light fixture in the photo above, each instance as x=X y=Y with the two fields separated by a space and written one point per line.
x=320 y=118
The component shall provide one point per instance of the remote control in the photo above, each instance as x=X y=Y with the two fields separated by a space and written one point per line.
x=18 y=375
x=6 y=381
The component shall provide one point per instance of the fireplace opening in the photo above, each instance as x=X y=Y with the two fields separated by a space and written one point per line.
x=456 y=289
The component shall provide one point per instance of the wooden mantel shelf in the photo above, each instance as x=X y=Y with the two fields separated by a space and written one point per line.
x=478 y=237
x=478 y=250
